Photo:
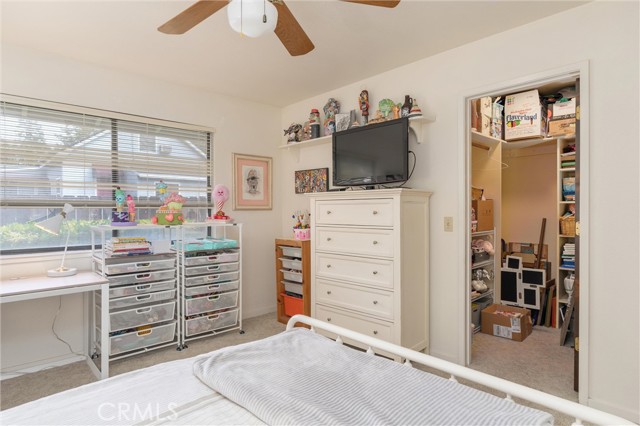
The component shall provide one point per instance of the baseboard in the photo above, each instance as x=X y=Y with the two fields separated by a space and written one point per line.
x=32 y=367
x=442 y=356
x=246 y=314
x=617 y=410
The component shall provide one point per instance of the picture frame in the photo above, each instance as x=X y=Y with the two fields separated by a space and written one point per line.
x=252 y=182
x=342 y=122
x=312 y=180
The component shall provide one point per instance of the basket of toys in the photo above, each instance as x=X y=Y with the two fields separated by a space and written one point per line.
x=568 y=225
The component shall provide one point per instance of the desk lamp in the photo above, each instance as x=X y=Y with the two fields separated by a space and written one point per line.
x=52 y=226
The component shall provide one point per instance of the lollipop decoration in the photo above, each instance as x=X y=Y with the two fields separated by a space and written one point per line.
x=220 y=195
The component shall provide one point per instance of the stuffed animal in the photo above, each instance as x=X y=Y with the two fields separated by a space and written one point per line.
x=220 y=195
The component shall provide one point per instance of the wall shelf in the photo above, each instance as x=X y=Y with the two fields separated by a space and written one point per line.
x=487 y=142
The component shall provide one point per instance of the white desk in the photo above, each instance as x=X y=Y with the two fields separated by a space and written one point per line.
x=29 y=288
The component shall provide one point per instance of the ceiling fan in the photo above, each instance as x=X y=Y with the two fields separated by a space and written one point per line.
x=287 y=28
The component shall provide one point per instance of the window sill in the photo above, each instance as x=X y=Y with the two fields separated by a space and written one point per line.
x=17 y=259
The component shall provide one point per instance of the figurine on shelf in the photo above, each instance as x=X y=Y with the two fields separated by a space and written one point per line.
x=415 y=110
x=396 y=111
x=363 y=100
x=131 y=208
x=306 y=131
x=314 y=122
x=120 y=197
x=379 y=118
x=301 y=228
x=406 y=107
x=294 y=133
x=386 y=106
x=170 y=213
x=331 y=108
x=220 y=195
x=161 y=190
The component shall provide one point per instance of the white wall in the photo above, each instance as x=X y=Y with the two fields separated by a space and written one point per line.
x=606 y=34
x=42 y=76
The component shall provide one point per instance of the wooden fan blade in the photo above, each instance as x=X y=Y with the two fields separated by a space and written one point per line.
x=381 y=3
x=192 y=16
x=290 y=33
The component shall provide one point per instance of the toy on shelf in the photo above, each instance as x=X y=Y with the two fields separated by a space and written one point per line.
x=131 y=208
x=170 y=213
x=220 y=195
x=301 y=229
x=119 y=217
x=161 y=190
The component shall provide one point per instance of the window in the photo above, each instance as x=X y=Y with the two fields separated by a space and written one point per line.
x=51 y=154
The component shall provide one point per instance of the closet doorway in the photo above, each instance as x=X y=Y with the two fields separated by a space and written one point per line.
x=525 y=181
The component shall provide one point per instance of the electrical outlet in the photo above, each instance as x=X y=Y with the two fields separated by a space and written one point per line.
x=448 y=224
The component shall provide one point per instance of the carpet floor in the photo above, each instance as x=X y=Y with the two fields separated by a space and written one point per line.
x=538 y=362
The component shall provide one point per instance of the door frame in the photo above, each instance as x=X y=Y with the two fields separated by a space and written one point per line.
x=575 y=70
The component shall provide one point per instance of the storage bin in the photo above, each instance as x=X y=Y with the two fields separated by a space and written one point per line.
x=568 y=226
x=211 y=279
x=211 y=269
x=130 y=318
x=230 y=256
x=293 y=305
x=129 y=267
x=291 y=263
x=142 y=277
x=292 y=251
x=212 y=322
x=292 y=275
x=142 y=338
x=290 y=287
x=141 y=299
x=135 y=289
x=211 y=288
x=199 y=305
x=210 y=244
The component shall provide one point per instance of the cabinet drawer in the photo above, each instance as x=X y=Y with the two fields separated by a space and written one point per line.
x=136 y=289
x=129 y=267
x=292 y=275
x=211 y=288
x=198 y=305
x=211 y=322
x=211 y=279
x=369 y=242
x=355 y=212
x=142 y=338
x=291 y=251
x=142 y=277
x=141 y=299
x=291 y=263
x=367 y=301
x=211 y=269
x=380 y=329
x=141 y=316
x=374 y=272
x=230 y=256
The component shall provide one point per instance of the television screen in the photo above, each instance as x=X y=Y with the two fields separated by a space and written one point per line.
x=372 y=155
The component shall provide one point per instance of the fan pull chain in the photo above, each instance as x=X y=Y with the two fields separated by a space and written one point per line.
x=241 y=20
x=264 y=12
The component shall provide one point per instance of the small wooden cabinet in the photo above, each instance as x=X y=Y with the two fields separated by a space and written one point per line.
x=293 y=277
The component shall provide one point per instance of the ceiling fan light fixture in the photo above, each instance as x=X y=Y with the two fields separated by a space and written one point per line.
x=252 y=18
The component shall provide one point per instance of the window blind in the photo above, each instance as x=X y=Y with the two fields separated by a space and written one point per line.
x=50 y=156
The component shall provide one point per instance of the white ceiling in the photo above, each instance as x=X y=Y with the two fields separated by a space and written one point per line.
x=352 y=41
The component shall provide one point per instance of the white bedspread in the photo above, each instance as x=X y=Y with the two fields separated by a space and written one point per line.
x=301 y=378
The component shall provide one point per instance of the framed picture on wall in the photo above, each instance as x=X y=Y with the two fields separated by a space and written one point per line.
x=312 y=180
x=251 y=182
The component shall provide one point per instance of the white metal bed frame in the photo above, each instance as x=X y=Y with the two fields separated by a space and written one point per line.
x=578 y=411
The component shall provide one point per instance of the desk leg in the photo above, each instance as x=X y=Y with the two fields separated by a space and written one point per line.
x=105 y=324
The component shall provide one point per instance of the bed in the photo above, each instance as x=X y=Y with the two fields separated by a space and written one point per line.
x=299 y=377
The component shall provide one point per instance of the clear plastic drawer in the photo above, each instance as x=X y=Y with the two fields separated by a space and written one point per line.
x=290 y=287
x=129 y=267
x=211 y=269
x=291 y=263
x=292 y=275
x=143 y=277
x=206 y=323
x=199 y=305
x=292 y=251
x=142 y=299
x=211 y=279
x=211 y=288
x=142 y=338
x=231 y=256
x=130 y=318
x=136 y=289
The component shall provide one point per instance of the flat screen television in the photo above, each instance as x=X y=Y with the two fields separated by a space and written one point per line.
x=375 y=154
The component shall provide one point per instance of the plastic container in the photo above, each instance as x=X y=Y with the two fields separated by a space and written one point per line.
x=293 y=305
x=290 y=287
x=292 y=251
x=292 y=275
x=215 y=302
x=291 y=263
x=212 y=322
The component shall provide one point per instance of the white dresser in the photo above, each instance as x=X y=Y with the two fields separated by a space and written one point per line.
x=370 y=263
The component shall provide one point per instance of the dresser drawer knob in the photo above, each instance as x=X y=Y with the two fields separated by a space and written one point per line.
x=329 y=319
x=375 y=331
x=375 y=242
x=375 y=212
x=375 y=302
x=328 y=238
x=328 y=211
x=329 y=265
x=328 y=291
x=375 y=272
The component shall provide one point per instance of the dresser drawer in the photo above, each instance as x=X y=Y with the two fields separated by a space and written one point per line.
x=121 y=320
x=119 y=266
x=374 y=272
x=211 y=288
x=211 y=269
x=227 y=256
x=141 y=299
x=368 y=242
x=142 y=277
x=198 y=305
x=355 y=212
x=137 y=289
x=380 y=329
x=364 y=300
x=205 y=323
x=211 y=279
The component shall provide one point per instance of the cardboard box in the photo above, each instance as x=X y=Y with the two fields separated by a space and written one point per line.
x=497 y=112
x=524 y=116
x=527 y=248
x=560 y=110
x=506 y=321
x=481 y=115
x=484 y=214
x=565 y=126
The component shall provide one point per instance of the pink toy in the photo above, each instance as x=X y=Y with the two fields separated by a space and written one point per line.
x=220 y=195
x=131 y=207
